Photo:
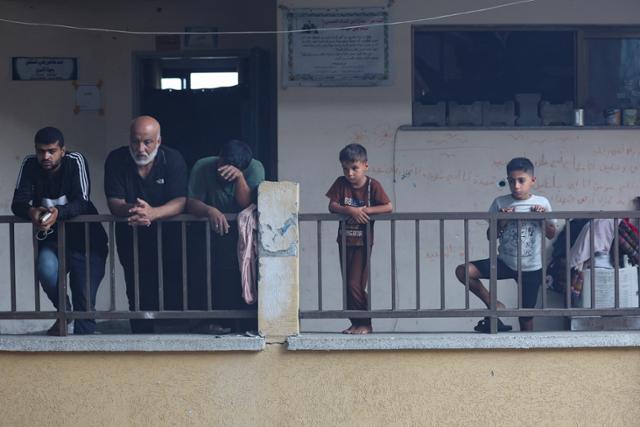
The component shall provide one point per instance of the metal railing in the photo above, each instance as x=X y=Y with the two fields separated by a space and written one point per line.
x=113 y=313
x=440 y=218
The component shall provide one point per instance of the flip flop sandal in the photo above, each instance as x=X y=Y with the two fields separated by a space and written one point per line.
x=484 y=326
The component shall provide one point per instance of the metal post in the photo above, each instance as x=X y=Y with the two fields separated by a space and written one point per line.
x=62 y=280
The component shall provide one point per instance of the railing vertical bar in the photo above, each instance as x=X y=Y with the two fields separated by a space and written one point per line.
x=567 y=266
x=442 y=294
x=493 y=282
x=637 y=222
x=136 y=270
x=159 y=257
x=319 y=246
x=12 y=264
x=36 y=282
x=343 y=246
x=394 y=291
x=87 y=266
x=185 y=291
x=207 y=237
x=466 y=264
x=417 y=232
x=62 y=281
x=543 y=257
x=112 y=267
x=368 y=243
x=519 y=261
x=592 y=279
x=616 y=260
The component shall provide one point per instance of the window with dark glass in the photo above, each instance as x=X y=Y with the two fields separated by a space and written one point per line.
x=525 y=76
x=612 y=76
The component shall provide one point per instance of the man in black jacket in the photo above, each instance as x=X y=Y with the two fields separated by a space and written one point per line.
x=53 y=185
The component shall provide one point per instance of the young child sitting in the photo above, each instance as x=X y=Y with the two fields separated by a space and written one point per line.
x=521 y=179
x=358 y=196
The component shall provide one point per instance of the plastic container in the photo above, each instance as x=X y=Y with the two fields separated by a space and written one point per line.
x=629 y=116
x=612 y=116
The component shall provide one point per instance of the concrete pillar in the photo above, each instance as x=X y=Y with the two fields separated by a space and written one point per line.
x=278 y=253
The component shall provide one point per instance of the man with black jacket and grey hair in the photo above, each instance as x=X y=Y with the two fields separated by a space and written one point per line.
x=53 y=185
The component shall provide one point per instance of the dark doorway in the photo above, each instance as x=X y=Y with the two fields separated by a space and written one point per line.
x=202 y=101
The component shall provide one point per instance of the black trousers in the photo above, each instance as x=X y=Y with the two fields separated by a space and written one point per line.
x=148 y=278
x=226 y=288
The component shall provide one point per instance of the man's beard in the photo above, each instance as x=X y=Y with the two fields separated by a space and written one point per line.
x=144 y=162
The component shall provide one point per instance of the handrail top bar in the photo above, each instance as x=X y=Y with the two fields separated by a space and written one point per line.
x=112 y=218
x=399 y=216
x=407 y=216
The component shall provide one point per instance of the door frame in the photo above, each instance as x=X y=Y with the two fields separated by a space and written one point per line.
x=264 y=131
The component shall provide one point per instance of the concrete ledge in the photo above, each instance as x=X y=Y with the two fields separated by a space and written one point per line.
x=125 y=343
x=461 y=341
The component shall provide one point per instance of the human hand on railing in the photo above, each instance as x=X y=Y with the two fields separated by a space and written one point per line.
x=502 y=223
x=358 y=215
x=47 y=219
x=229 y=173
x=218 y=221
x=141 y=213
x=35 y=213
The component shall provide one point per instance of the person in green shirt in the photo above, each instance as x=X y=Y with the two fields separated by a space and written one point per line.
x=227 y=183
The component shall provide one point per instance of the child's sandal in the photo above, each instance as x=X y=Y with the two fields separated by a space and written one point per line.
x=484 y=326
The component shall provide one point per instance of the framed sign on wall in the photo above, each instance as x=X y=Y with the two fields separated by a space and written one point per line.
x=336 y=47
x=44 y=68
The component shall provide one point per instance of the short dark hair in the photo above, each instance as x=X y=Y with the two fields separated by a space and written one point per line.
x=520 y=164
x=49 y=135
x=353 y=153
x=236 y=153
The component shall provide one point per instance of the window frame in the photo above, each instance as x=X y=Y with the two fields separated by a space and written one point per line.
x=581 y=34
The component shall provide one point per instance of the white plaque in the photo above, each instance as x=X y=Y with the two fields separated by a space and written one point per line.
x=88 y=97
x=45 y=68
x=336 y=47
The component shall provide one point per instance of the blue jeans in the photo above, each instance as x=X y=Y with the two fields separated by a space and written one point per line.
x=48 y=275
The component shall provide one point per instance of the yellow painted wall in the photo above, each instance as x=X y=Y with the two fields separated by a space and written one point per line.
x=277 y=387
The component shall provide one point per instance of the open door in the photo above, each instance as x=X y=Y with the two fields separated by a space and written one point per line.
x=202 y=101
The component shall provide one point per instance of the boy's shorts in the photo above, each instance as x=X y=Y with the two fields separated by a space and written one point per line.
x=531 y=280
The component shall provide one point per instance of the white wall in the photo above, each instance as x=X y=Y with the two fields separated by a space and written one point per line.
x=314 y=123
x=27 y=106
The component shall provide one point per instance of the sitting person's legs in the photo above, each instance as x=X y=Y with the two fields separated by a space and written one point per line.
x=477 y=270
x=481 y=269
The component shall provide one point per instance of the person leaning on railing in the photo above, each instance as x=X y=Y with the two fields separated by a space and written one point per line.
x=521 y=179
x=145 y=182
x=53 y=185
x=359 y=197
x=221 y=184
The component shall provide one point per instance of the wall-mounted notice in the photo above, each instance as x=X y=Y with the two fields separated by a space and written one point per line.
x=336 y=47
x=25 y=68
x=88 y=97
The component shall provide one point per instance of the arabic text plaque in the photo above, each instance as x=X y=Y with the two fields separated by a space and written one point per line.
x=45 y=68
x=336 y=47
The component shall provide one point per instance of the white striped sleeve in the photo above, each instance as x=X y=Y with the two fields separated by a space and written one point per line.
x=24 y=162
x=82 y=170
